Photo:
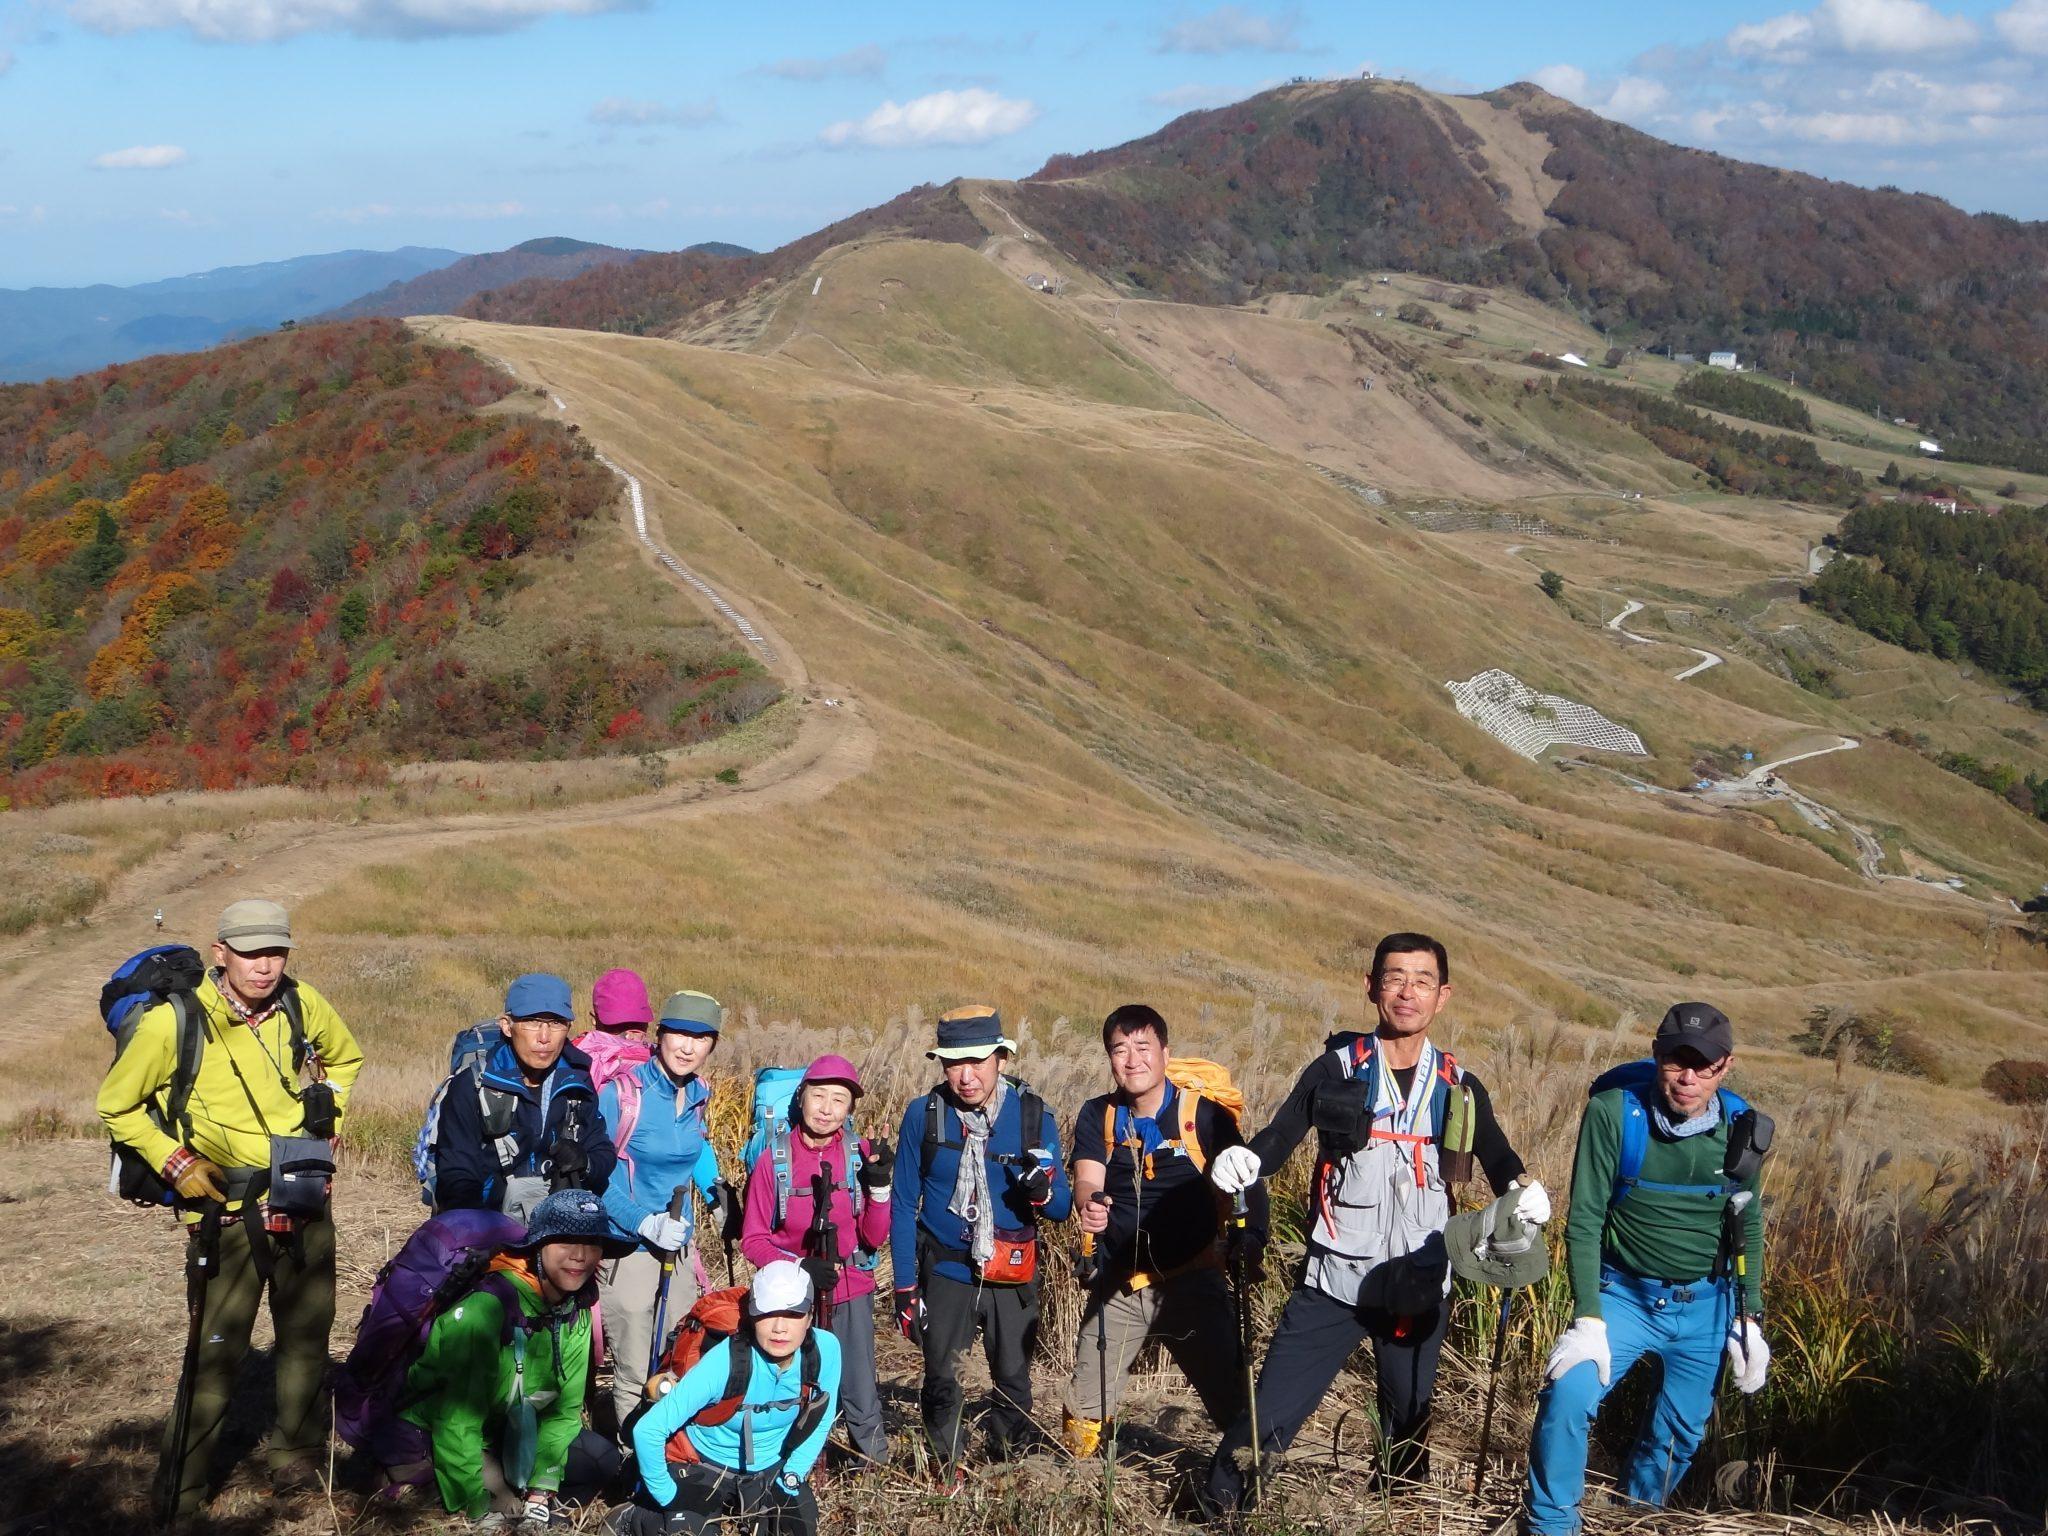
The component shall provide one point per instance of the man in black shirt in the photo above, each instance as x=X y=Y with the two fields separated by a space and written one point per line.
x=1397 y=1123
x=1157 y=1268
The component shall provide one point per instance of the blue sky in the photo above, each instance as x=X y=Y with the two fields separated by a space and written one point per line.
x=147 y=138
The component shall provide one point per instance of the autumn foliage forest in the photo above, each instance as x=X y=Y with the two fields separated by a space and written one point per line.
x=258 y=565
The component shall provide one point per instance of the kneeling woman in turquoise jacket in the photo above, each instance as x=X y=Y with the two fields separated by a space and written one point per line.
x=752 y=1429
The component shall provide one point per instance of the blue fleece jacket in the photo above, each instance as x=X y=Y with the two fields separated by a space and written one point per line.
x=771 y=1412
x=468 y=1172
x=921 y=1200
x=668 y=1147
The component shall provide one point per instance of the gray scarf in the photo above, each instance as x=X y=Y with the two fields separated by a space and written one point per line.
x=1678 y=1130
x=971 y=1200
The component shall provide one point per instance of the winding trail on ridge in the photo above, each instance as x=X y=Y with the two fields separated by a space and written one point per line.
x=291 y=860
x=1631 y=607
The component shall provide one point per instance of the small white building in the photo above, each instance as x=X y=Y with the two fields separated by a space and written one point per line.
x=1929 y=446
x=1572 y=358
x=1724 y=360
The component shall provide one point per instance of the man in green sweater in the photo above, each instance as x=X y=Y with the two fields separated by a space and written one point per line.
x=1664 y=1242
x=498 y=1392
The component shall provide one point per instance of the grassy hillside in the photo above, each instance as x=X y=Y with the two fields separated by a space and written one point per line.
x=1894 y=303
x=293 y=560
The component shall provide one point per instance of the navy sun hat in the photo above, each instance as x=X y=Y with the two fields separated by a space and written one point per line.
x=973 y=1033
x=574 y=1216
x=536 y=995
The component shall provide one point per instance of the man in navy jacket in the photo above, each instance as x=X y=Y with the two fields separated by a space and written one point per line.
x=978 y=1166
x=527 y=1120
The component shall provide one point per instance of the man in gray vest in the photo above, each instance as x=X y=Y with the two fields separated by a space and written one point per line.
x=1397 y=1123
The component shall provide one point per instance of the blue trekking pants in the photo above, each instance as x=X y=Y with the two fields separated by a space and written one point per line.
x=1685 y=1326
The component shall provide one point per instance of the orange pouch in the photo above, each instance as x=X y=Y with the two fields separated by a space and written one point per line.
x=1015 y=1261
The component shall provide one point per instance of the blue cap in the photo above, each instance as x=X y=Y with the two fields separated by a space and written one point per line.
x=538 y=993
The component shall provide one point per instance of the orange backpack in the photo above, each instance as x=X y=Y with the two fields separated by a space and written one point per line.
x=715 y=1319
x=1197 y=1079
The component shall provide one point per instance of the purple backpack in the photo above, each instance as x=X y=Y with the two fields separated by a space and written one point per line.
x=440 y=1264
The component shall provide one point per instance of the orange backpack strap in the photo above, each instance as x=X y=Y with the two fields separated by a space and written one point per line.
x=1108 y=1130
x=1190 y=1142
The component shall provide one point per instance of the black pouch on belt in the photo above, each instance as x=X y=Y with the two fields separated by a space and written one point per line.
x=301 y=1173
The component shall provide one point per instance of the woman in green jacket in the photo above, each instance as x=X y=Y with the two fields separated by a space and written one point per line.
x=497 y=1395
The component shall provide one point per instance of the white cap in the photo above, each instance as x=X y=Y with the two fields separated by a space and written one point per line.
x=780 y=1287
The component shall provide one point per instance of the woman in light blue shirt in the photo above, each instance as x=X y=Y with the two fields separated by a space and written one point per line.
x=736 y=1437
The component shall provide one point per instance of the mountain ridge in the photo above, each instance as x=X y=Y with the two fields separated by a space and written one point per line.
x=50 y=332
x=1894 y=303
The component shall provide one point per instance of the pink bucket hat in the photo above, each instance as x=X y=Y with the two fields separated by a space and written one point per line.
x=833 y=1069
x=620 y=998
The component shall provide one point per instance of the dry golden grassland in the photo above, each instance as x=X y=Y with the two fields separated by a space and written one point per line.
x=1136 y=705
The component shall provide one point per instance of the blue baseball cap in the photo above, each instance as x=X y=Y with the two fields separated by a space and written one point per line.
x=536 y=995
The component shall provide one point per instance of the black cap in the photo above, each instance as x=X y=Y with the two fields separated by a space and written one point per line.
x=1697 y=1027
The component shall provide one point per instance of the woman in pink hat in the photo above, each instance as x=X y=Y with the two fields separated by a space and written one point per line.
x=780 y=1223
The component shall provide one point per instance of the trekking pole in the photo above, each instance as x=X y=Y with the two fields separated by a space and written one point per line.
x=1500 y=1343
x=668 y=1271
x=1093 y=1268
x=1239 y=1209
x=822 y=1240
x=201 y=1259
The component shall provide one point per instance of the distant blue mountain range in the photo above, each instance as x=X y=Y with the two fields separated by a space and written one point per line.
x=46 y=332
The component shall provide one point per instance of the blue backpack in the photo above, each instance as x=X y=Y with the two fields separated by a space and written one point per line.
x=170 y=973
x=467 y=1056
x=774 y=1097
x=1749 y=1134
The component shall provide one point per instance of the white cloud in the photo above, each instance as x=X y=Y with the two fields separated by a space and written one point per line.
x=1566 y=80
x=1193 y=98
x=867 y=61
x=2024 y=25
x=1232 y=29
x=1634 y=96
x=944 y=117
x=268 y=21
x=362 y=213
x=142 y=157
x=1854 y=26
x=619 y=112
x=508 y=209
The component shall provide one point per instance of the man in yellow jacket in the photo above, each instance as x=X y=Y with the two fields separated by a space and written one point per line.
x=274 y=1056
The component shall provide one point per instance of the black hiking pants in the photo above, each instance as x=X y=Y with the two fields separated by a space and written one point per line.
x=1007 y=1316
x=1315 y=1336
x=711 y=1498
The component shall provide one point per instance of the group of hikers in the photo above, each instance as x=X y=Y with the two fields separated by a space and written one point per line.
x=575 y=1193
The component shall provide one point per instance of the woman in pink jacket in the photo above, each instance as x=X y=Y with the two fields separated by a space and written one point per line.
x=779 y=1223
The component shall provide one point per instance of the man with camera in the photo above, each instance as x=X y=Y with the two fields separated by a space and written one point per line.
x=250 y=1159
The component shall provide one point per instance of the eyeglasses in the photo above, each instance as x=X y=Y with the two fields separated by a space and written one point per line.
x=1682 y=1069
x=1395 y=981
x=541 y=1027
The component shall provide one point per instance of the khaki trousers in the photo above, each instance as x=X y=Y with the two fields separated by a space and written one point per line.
x=627 y=1288
x=1190 y=1314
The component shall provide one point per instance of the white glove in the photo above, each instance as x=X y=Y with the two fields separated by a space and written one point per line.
x=1235 y=1170
x=666 y=1232
x=1747 y=1372
x=1585 y=1340
x=1534 y=1206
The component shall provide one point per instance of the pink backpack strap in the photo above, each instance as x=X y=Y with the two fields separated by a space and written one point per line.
x=628 y=1085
